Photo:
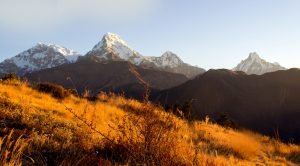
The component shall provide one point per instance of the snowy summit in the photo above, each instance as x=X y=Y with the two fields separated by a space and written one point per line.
x=255 y=65
x=41 y=56
x=113 y=48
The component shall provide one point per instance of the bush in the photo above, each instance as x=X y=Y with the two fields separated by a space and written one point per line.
x=182 y=110
x=10 y=76
x=73 y=92
x=225 y=121
x=57 y=91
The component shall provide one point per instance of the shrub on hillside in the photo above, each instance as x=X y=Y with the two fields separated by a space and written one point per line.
x=182 y=110
x=55 y=90
x=10 y=76
x=73 y=92
x=225 y=121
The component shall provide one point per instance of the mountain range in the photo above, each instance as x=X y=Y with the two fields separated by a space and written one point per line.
x=113 y=48
x=110 y=48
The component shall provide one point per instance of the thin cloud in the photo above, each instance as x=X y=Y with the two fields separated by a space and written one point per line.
x=43 y=13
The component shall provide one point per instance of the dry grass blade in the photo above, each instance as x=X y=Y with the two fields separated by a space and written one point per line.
x=11 y=150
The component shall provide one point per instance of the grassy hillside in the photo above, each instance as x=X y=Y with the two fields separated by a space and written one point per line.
x=39 y=129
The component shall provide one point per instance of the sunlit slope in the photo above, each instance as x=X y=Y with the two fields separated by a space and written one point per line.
x=113 y=129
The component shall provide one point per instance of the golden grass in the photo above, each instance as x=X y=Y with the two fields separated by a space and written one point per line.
x=135 y=133
x=11 y=150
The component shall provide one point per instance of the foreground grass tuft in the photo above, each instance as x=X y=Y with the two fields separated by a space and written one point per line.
x=11 y=149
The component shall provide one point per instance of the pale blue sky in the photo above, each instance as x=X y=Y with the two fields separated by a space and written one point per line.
x=206 y=33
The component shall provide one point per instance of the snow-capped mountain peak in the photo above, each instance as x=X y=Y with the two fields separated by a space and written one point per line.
x=39 y=57
x=256 y=65
x=254 y=56
x=69 y=54
x=109 y=40
x=113 y=47
x=169 y=59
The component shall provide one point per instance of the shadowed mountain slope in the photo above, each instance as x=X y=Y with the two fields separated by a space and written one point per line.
x=113 y=76
x=262 y=103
